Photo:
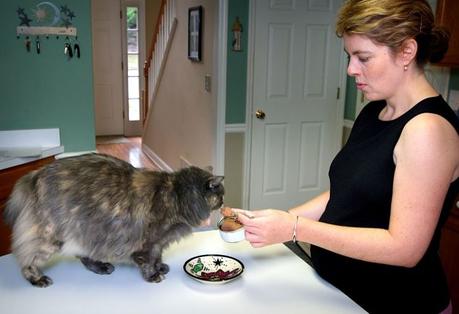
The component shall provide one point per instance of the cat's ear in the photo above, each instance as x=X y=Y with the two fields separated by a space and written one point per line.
x=209 y=169
x=215 y=181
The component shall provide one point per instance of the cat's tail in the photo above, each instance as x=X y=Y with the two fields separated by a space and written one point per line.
x=21 y=198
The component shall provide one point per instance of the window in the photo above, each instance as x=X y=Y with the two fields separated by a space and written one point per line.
x=133 y=73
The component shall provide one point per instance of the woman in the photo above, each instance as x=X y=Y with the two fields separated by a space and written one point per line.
x=375 y=233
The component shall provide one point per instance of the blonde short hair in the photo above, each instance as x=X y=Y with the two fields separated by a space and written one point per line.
x=391 y=22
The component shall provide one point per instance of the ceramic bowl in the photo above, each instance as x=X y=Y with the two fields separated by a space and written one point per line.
x=231 y=230
x=213 y=268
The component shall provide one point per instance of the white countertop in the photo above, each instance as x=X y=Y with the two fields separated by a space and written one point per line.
x=18 y=147
x=274 y=281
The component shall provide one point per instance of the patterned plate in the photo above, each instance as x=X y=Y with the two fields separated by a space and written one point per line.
x=213 y=268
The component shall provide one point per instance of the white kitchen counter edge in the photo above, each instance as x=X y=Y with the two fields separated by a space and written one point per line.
x=46 y=152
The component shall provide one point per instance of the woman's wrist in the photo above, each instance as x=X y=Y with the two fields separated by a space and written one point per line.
x=295 y=225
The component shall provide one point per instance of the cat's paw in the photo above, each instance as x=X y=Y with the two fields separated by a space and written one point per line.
x=106 y=269
x=156 y=277
x=97 y=267
x=42 y=282
x=162 y=268
x=151 y=274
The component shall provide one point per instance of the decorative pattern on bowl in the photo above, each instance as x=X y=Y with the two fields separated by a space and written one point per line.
x=213 y=268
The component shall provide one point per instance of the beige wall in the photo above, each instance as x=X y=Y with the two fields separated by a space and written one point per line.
x=182 y=119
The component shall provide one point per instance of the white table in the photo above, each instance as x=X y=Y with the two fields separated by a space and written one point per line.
x=274 y=281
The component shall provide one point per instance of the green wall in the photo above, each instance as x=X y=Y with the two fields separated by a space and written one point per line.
x=46 y=90
x=454 y=79
x=236 y=76
x=350 y=101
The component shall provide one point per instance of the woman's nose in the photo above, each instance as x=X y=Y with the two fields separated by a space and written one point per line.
x=351 y=69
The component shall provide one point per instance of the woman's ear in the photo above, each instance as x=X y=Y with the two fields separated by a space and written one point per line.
x=409 y=51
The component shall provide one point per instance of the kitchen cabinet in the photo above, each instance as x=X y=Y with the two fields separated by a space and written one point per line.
x=449 y=253
x=447 y=13
x=8 y=178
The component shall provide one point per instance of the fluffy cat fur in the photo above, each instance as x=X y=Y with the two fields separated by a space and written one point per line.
x=106 y=211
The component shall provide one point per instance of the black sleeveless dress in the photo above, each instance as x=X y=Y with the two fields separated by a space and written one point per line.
x=361 y=177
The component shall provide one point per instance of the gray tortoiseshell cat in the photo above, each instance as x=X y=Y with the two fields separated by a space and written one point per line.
x=103 y=210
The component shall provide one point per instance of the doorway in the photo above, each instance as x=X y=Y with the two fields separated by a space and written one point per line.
x=118 y=55
x=133 y=47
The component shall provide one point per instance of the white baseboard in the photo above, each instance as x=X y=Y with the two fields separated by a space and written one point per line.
x=73 y=154
x=161 y=164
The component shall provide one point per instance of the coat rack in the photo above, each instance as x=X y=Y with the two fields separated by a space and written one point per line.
x=45 y=30
x=49 y=19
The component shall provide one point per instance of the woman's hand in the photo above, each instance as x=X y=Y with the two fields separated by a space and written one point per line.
x=268 y=226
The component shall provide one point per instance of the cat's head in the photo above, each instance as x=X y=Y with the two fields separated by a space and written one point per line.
x=198 y=192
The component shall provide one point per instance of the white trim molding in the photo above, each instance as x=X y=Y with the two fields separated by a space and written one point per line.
x=220 y=66
x=236 y=128
x=348 y=123
x=161 y=164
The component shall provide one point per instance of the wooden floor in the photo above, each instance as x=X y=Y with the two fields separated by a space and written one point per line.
x=125 y=148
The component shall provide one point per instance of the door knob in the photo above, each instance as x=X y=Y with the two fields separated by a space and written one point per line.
x=260 y=114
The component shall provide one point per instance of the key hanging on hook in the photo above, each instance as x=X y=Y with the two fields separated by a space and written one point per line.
x=76 y=47
x=37 y=44
x=27 y=43
x=68 y=49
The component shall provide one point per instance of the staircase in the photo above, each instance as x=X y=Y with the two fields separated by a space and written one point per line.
x=161 y=41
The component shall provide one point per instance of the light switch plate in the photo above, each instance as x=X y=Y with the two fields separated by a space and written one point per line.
x=207 y=81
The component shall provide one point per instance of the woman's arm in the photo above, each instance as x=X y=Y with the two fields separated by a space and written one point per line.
x=312 y=209
x=427 y=162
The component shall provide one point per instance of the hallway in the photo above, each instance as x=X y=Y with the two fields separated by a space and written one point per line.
x=125 y=148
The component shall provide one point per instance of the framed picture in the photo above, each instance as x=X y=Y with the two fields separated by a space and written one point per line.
x=194 y=33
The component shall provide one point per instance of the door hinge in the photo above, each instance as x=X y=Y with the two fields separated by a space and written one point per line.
x=121 y=14
x=122 y=66
x=123 y=114
x=337 y=93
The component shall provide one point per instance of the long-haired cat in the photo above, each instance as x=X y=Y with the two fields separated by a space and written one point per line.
x=103 y=210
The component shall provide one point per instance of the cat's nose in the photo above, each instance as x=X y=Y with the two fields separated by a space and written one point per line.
x=205 y=223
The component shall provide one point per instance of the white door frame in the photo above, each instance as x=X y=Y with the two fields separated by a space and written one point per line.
x=133 y=128
x=250 y=106
x=220 y=65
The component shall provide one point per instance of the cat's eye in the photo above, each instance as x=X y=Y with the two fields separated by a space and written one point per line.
x=214 y=182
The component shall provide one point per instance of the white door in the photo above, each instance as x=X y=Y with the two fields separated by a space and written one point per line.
x=296 y=73
x=133 y=48
x=108 y=77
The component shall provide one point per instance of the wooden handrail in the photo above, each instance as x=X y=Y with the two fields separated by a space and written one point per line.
x=154 y=37
x=147 y=63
